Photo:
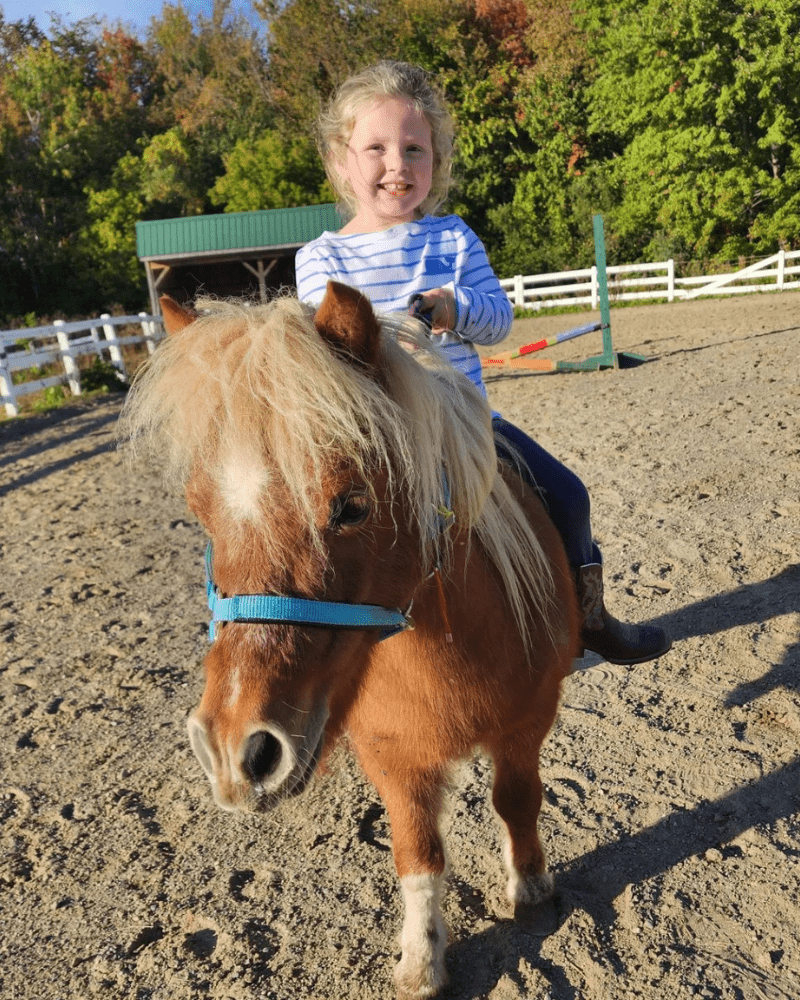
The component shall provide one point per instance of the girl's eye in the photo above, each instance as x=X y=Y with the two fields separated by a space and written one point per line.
x=349 y=510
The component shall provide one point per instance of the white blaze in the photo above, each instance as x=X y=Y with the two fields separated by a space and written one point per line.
x=242 y=483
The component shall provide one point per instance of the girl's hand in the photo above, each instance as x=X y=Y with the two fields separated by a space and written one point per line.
x=441 y=303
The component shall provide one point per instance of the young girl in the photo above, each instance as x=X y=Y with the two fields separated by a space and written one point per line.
x=386 y=140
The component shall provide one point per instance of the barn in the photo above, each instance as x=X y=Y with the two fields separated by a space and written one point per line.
x=236 y=253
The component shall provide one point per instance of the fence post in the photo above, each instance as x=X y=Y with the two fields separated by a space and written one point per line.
x=7 y=384
x=595 y=286
x=670 y=280
x=110 y=331
x=70 y=367
x=148 y=332
x=781 y=268
x=519 y=291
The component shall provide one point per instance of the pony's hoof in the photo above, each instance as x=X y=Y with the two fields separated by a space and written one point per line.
x=538 y=920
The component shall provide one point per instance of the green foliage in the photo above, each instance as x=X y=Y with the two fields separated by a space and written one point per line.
x=28 y=375
x=70 y=105
x=212 y=93
x=52 y=397
x=270 y=172
x=678 y=121
x=315 y=44
x=101 y=376
x=699 y=106
x=108 y=236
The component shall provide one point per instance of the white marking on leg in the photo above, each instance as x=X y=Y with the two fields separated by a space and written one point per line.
x=531 y=889
x=420 y=971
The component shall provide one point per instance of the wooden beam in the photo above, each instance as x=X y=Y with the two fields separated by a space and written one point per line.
x=261 y=271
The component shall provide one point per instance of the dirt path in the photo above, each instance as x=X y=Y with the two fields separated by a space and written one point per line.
x=673 y=789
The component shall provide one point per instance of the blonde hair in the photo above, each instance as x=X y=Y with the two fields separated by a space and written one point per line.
x=386 y=79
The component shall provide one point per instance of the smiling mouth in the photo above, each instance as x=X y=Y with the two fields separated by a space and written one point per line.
x=395 y=190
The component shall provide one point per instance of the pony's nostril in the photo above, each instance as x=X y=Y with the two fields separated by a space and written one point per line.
x=262 y=755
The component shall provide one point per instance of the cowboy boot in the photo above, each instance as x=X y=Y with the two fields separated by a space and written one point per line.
x=615 y=641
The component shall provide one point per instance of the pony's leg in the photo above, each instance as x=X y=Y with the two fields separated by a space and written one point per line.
x=413 y=803
x=517 y=798
x=421 y=971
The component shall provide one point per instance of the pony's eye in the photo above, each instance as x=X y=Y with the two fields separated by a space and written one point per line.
x=348 y=511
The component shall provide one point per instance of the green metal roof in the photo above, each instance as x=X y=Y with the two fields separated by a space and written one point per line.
x=201 y=235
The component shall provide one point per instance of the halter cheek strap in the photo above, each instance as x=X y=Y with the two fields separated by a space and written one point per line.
x=271 y=609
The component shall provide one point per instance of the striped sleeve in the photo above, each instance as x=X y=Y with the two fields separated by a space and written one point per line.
x=485 y=313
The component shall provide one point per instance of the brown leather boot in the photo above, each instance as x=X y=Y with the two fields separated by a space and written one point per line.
x=615 y=641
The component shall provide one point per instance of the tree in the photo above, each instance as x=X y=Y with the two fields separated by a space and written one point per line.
x=315 y=45
x=70 y=106
x=269 y=172
x=485 y=55
x=211 y=79
x=107 y=240
x=539 y=217
x=696 y=106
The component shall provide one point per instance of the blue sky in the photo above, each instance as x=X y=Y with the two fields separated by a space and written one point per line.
x=135 y=16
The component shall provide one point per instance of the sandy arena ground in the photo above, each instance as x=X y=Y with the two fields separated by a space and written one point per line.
x=672 y=817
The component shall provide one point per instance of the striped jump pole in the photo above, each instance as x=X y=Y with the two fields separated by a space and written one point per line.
x=539 y=345
x=608 y=359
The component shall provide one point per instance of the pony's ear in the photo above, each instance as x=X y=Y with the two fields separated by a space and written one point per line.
x=346 y=320
x=175 y=316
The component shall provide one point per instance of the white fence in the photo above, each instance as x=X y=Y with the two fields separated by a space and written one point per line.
x=62 y=343
x=27 y=349
x=649 y=281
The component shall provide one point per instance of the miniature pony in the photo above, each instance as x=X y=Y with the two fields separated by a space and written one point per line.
x=338 y=464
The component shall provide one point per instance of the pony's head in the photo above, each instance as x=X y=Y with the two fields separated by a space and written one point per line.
x=313 y=447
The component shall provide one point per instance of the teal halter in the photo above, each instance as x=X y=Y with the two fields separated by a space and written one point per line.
x=269 y=609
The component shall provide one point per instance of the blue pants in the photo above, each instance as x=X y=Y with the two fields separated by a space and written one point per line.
x=564 y=495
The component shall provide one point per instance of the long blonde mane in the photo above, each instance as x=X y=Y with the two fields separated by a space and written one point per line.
x=258 y=388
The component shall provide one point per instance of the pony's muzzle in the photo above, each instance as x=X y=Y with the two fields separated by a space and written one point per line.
x=255 y=772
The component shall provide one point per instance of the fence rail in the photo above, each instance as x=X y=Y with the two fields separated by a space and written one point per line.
x=650 y=281
x=62 y=344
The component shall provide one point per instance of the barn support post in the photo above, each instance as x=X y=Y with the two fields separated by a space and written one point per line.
x=261 y=271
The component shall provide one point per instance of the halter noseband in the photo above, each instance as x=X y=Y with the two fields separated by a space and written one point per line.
x=270 y=609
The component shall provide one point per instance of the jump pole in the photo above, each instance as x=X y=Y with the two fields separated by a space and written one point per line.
x=608 y=359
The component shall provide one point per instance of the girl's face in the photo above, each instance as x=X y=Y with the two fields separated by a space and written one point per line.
x=389 y=164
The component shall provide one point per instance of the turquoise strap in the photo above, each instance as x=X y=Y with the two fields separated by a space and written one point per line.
x=268 y=609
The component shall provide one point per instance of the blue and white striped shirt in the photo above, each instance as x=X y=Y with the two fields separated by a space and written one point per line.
x=392 y=265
